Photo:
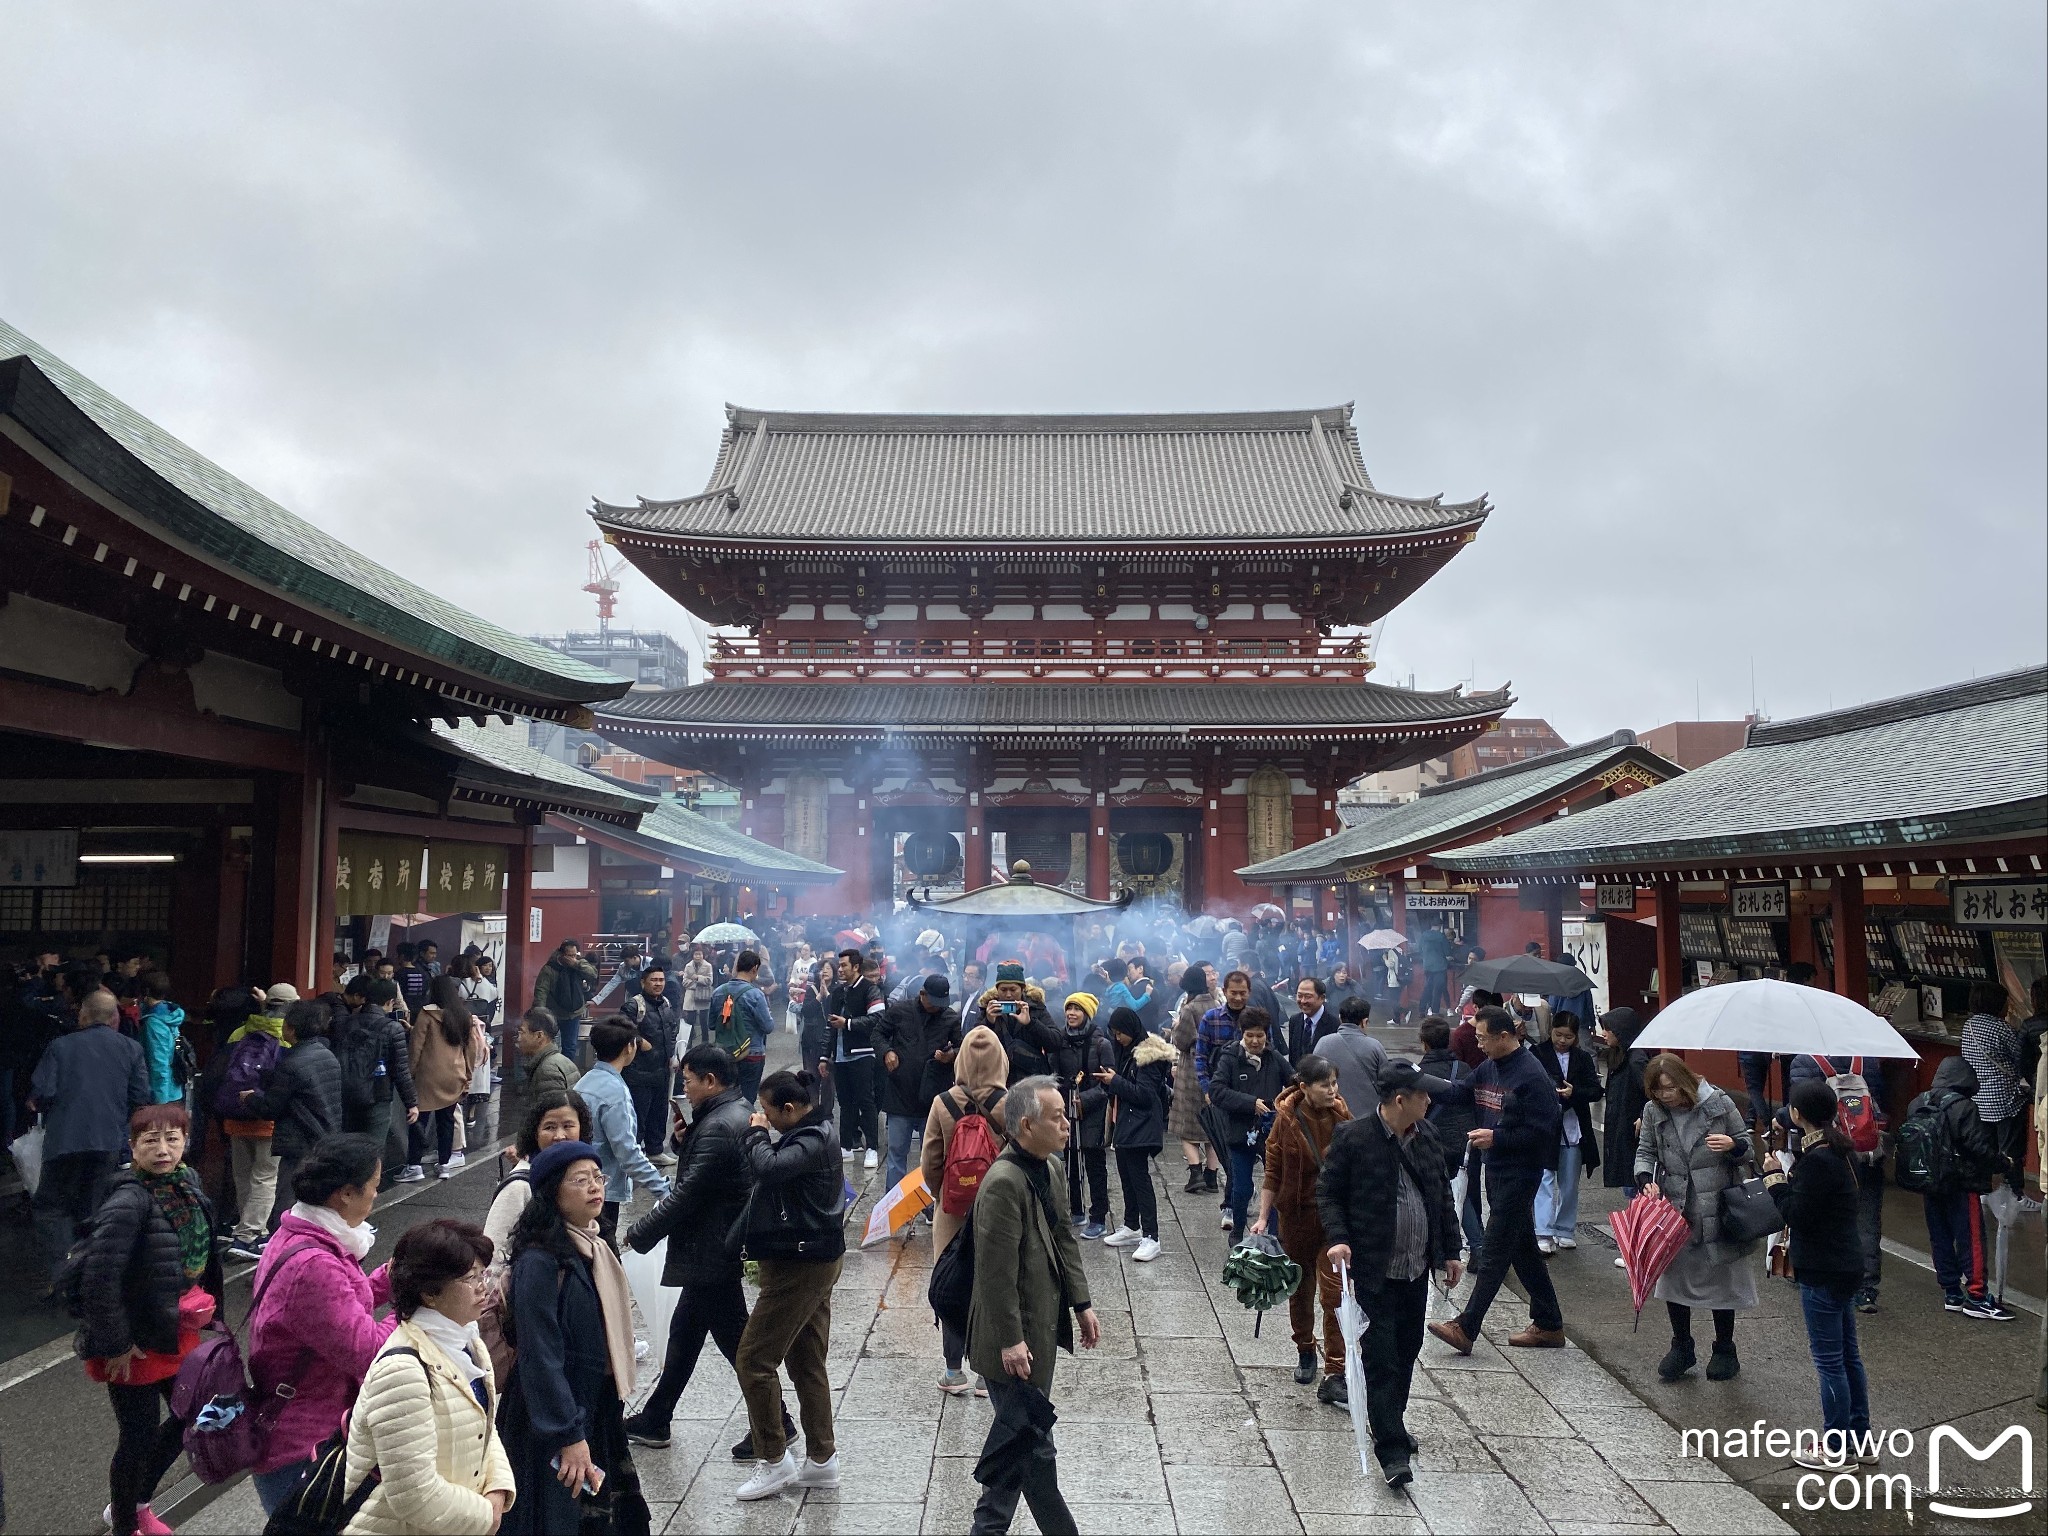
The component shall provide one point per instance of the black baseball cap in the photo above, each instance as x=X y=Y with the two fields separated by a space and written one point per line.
x=938 y=987
x=1405 y=1077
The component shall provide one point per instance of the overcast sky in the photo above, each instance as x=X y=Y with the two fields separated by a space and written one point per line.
x=1736 y=311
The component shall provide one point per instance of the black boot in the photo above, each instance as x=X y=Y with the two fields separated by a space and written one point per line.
x=1334 y=1392
x=744 y=1449
x=1305 y=1367
x=1209 y=1180
x=1194 y=1184
x=1678 y=1360
x=1723 y=1366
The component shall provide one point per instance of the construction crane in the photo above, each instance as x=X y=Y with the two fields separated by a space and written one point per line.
x=604 y=586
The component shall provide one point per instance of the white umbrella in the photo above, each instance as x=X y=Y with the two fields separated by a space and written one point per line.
x=726 y=933
x=1382 y=938
x=1773 y=1016
x=1351 y=1323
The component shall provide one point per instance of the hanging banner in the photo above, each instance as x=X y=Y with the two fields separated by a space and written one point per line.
x=39 y=858
x=375 y=873
x=465 y=877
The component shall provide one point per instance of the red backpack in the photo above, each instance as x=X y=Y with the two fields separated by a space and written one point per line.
x=1856 y=1115
x=972 y=1147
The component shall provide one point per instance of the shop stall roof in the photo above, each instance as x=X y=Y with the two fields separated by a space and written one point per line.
x=188 y=500
x=1445 y=813
x=494 y=766
x=669 y=833
x=1956 y=766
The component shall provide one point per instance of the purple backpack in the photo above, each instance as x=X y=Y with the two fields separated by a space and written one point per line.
x=226 y=1419
x=249 y=1061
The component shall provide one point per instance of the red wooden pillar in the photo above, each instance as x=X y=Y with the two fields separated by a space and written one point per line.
x=1670 y=962
x=974 y=779
x=516 y=985
x=1852 y=955
x=325 y=902
x=1098 y=846
x=294 y=902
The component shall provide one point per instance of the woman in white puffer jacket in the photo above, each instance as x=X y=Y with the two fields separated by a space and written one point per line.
x=428 y=1424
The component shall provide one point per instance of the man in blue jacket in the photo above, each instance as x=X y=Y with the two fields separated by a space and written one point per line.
x=1519 y=1123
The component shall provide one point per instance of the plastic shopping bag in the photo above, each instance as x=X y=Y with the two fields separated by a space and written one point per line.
x=657 y=1302
x=28 y=1157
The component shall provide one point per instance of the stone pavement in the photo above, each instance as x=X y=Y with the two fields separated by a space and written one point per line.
x=1183 y=1422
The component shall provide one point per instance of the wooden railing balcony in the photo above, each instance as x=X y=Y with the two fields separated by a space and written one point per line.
x=1051 y=657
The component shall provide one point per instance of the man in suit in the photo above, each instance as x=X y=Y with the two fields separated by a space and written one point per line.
x=1313 y=1020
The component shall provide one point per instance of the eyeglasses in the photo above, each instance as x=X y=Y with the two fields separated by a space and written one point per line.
x=584 y=1180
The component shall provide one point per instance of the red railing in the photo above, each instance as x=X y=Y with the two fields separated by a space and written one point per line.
x=1059 y=656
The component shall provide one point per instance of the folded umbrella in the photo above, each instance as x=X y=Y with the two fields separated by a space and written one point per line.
x=1261 y=1273
x=1351 y=1323
x=898 y=1208
x=1650 y=1231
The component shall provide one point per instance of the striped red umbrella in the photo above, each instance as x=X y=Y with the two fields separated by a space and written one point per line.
x=1650 y=1231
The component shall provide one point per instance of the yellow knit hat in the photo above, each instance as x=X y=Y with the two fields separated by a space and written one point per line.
x=1085 y=1001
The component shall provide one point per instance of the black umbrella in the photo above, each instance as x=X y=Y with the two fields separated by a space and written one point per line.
x=1525 y=973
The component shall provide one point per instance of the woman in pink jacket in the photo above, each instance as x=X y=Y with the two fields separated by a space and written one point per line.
x=315 y=1327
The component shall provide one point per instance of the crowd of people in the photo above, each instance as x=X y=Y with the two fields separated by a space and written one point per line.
x=1033 y=1094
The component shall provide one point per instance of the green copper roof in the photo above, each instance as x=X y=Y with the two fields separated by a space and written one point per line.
x=1948 y=766
x=193 y=499
x=1445 y=812
x=500 y=748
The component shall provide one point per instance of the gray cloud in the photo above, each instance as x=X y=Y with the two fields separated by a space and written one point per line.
x=1737 y=311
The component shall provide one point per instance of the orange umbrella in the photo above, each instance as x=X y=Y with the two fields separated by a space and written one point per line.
x=898 y=1208
x=1650 y=1231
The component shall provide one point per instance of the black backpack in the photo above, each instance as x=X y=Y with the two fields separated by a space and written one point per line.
x=361 y=1053
x=1925 y=1158
x=951 y=1292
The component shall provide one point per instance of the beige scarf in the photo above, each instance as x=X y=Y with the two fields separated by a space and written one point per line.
x=614 y=1299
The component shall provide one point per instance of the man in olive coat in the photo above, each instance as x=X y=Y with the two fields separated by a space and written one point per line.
x=1027 y=1280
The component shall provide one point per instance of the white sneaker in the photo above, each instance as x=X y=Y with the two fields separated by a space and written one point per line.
x=411 y=1173
x=1620 y=1262
x=1224 y=1221
x=457 y=1158
x=819 y=1474
x=848 y=1154
x=447 y=1171
x=1147 y=1251
x=1122 y=1237
x=1546 y=1245
x=639 y=1349
x=769 y=1479
x=871 y=1160
x=1567 y=1242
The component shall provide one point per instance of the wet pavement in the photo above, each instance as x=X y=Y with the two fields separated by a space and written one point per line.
x=1183 y=1421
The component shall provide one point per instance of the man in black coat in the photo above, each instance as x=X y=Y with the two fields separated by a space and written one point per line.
x=1244 y=1084
x=917 y=1039
x=1384 y=1196
x=301 y=1097
x=652 y=1012
x=703 y=1202
x=374 y=1053
x=1520 y=1120
x=1018 y=1015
